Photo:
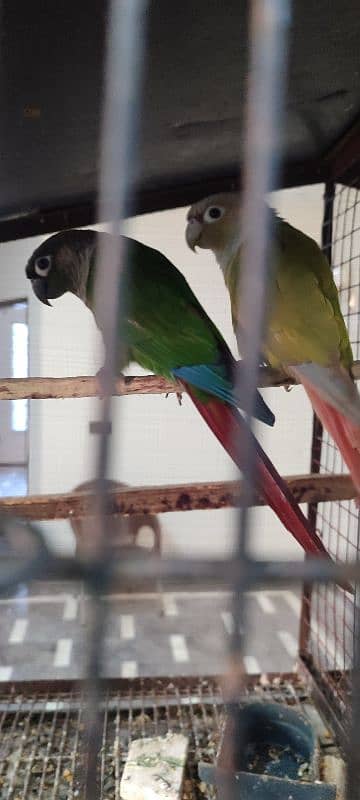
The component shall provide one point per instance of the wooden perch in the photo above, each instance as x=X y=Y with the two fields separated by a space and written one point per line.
x=84 y=386
x=182 y=497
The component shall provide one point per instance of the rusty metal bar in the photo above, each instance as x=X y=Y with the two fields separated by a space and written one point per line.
x=312 y=488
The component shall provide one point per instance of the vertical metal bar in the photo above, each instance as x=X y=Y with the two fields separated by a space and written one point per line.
x=119 y=133
x=316 y=442
x=269 y=20
x=268 y=36
x=326 y=245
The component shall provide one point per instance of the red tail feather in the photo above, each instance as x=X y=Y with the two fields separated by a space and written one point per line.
x=226 y=423
x=345 y=434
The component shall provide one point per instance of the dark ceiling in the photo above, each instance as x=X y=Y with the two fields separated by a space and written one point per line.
x=192 y=116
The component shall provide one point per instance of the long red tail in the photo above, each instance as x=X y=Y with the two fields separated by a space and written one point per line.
x=226 y=423
x=345 y=433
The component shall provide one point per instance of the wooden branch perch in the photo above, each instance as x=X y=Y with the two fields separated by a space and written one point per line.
x=84 y=386
x=164 y=499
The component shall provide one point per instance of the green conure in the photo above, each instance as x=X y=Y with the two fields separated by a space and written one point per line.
x=306 y=334
x=165 y=330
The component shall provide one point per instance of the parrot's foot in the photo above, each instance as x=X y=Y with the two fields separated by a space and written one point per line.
x=288 y=387
x=178 y=395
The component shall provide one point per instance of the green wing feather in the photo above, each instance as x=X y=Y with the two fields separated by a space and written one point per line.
x=305 y=322
x=166 y=328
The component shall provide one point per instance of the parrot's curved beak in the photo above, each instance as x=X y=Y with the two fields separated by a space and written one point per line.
x=193 y=233
x=39 y=287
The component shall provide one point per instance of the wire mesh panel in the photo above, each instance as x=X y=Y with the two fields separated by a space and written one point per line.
x=42 y=732
x=329 y=613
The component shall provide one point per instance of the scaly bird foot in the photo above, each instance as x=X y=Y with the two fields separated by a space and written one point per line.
x=178 y=395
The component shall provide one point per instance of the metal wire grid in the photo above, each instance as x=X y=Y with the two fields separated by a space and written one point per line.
x=42 y=734
x=330 y=613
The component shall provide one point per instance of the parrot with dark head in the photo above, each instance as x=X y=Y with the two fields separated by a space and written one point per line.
x=166 y=331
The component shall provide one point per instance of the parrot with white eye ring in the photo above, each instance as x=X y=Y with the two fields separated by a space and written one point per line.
x=165 y=330
x=306 y=336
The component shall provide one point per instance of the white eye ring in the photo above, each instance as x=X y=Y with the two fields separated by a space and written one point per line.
x=42 y=266
x=213 y=214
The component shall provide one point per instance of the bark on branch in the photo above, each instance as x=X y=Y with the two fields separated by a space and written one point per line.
x=87 y=386
x=163 y=499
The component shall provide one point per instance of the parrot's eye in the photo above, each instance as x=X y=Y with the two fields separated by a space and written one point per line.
x=42 y=266
x=214 y=213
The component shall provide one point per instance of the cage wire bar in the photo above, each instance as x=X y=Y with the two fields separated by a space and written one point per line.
x=268 y=30
x=326 y=237
x=329 y=651
x=329 y=615
x=123 y=72
x=264 y=105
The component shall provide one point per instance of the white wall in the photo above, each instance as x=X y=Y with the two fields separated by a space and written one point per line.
x=155 y=441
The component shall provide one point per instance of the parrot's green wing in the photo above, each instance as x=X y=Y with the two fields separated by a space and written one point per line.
x=305 y=323
x=167 y=331
x=166 y=327
x=307 y=289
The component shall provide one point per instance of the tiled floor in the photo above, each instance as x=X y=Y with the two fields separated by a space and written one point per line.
x=43 y=633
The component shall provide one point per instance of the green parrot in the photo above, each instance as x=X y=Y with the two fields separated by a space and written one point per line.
x=166 y=330
x=306 y=334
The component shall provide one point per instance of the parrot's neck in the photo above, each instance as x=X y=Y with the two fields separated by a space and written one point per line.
x=86 y=274
x=225 y=255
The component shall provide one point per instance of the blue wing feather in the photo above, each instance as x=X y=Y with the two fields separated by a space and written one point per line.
x=214 y=380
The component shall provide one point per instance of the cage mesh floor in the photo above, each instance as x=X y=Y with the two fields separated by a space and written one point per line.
x=42 y=733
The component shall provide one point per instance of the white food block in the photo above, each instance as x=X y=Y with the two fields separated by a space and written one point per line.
x=154 y=768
